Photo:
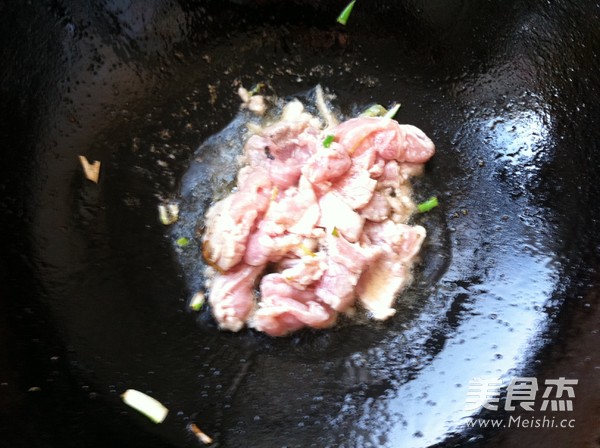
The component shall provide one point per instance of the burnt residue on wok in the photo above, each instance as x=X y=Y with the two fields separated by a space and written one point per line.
x=94 y=298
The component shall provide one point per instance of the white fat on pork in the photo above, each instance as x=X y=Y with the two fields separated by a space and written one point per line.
x=390 y=272
x=336 y=214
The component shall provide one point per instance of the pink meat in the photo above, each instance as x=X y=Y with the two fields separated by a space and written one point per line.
x=283 y=149
x=336 y=286
x=284 y=135
x=303 y=272
x=392 y=141
x=391 y=175
x=354 y=256
x=284 y=309
x=376 y=169
x=230 y=221
x=323 y=219
x=256 y=151
x=417 y=146
x=345 y=263
x=232 y=296
x=395 y=173
x=327 y=164
x=378 y=209
x=294 y=210
x=263 y=248
x=401 y=241
x=355 y=188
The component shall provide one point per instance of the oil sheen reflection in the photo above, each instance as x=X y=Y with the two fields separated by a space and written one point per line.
x=520 y=138
x=502 y=313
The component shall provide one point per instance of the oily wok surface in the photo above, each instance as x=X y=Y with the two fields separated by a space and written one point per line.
x=95 y=291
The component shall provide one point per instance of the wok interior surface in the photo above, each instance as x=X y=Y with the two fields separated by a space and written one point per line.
x=94 y=293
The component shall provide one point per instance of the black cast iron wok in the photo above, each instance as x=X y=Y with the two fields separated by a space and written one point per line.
x=93 y=294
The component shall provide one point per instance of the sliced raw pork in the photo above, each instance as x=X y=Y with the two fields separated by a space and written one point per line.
x=326 y=222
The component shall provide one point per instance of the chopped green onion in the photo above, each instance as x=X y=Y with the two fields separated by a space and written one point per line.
x=257 y=88
x=376 y=110
x=150 y=407
x=168 y=214
x=428 y=204
x=335 y=232
x=328 y=141
x=197 y=301
x=345 y=14
x=392 y=112
x=183 y=241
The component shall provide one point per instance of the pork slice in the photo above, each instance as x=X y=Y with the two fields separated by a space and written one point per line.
x=378 y=209
x=337 y=214
x=283 y=134
x=401 y=240
x=390 y=273
x=351 y=133
x=417 y=146
x=255 y=179
x=263 y=248
x=345 y=263
x=327 y=164
x=275 y=321
x=285 y=174
x=379 y=285
x=257 y=150
x=394 y=185
x=366 y=159
x=230 y=221
x=294 y=210
x=276 y=285
x=404 y=143
x=303 y=272
x=395 y=174
x=293 y=144
x=232 y=296
x=336 y=287
x=284 y=309
x=390 y=177
x=226 y=234
x=259 y=248
x=282 y=149
x=376 y=169
x=354 y=256
x=371 y=135
x=356 y=188
x=286 y=167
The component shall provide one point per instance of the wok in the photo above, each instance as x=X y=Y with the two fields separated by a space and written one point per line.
x=93 y=289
